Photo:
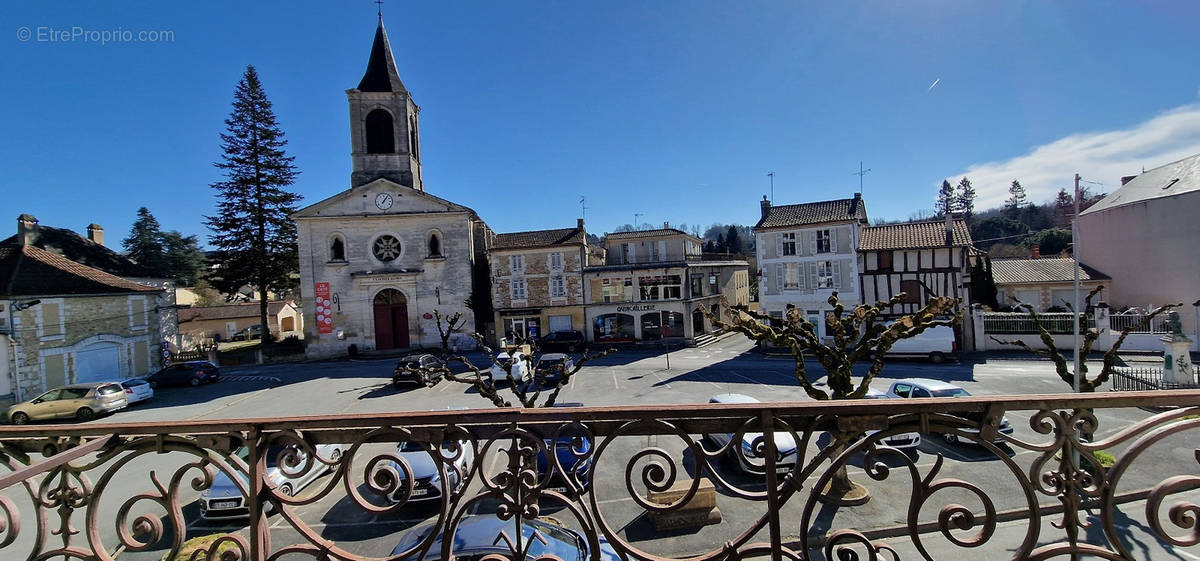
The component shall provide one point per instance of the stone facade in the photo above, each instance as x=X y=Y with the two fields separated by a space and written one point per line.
x=551 y=281
x=76 y=339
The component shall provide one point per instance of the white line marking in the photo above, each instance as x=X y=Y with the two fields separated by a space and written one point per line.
x=614 y=378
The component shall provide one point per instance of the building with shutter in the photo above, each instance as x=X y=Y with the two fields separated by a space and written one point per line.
x=920 y=259
x=655 y=285
x=1046 y=283
x=806 y=252
x=63 y=322
x=537 y=281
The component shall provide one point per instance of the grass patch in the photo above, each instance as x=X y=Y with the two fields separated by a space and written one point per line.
x=236 y=346
x=201 y=543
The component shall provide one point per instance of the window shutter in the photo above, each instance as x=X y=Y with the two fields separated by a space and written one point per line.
x=801 y=281
x=837 y=274
x=833 y=246
x=812 y=242
x=847 y=279
x=812 y=274
x=778 y=243
x=779 y=277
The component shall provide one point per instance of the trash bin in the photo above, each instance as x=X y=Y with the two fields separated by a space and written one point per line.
x=352 y=350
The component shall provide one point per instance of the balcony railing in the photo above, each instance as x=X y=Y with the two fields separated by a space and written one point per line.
x=599 y=482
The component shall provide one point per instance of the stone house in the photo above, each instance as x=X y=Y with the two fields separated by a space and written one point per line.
x=655 y=285
x=806 y=252
x=1045 y=282
x=62 y=322
x=197 y=324
x=378 y=258
x=537 y=281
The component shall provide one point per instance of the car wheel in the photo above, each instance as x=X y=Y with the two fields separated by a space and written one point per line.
x=335 y=456
x=195 y=381
x=20 y=418
x=937 y=358
x=950 y=438
x=153 y=384
x=85 y=414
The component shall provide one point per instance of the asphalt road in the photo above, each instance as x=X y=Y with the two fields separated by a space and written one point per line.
x=636 y=377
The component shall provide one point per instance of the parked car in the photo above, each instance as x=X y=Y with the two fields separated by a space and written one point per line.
x=569 y=341
x=480 y=535
x=573 y=449
x=137 y=390
x=935 y=343
x=749 y=460
x=551 y=368
x=520 y=367
x=403 y=376
x=81 y=401
x=903 y=441
x=191 y=373
x=224 y=499
x=925 y=387
x=427 y=481
x=248 y=333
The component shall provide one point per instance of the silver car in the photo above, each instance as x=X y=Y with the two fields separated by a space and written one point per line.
x=224 y=500
x=903 y=441
x=427 y=484
x=748 y=459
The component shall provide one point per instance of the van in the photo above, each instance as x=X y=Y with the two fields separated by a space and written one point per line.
x=935 y=343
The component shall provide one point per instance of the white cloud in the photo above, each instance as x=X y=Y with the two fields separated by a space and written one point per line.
x=1097 y=156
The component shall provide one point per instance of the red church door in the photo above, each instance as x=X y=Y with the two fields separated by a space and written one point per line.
x=391 y=320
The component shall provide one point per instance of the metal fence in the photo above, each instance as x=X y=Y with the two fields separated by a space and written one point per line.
x=1018 y=323
x=603 y=483
x=1137 y=323
x=1137 y=379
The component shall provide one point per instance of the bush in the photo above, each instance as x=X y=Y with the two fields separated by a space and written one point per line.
x=201 y=543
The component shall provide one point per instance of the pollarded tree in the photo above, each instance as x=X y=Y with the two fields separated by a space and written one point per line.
x=1061 y=365
x=858 y=334
x=254 y=238
x=446 y=326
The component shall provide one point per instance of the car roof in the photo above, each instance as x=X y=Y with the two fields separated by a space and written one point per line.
x=928 y=383
x=732 y=398
x=553 y=356
x=89 y=385
x=874 y=393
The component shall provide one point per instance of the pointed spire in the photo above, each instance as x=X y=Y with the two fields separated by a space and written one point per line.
x=381 y=74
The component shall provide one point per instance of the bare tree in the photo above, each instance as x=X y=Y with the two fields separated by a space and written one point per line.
x=453 y=323
x=858 y=334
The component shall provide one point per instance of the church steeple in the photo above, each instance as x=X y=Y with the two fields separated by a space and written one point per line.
x=384 y=132
x=381 y=74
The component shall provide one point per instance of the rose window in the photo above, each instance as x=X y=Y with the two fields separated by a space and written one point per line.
x=386 y=248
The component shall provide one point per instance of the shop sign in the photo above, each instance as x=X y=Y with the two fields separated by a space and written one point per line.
x=637 y=308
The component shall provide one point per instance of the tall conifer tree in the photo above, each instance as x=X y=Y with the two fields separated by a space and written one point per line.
x=145 y=244
x=945 y=199
x=254 y=238
x=965 y=198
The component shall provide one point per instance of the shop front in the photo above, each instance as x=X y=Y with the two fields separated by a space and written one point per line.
x=638 y=322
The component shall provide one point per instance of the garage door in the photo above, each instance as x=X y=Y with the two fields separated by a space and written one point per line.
x=98 y=363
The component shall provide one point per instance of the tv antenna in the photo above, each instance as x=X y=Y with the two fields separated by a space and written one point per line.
x=771 y=174
x=583 y=206
x=860 y=173
x=635 y=220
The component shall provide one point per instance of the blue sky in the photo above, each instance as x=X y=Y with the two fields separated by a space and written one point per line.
x=673 y=110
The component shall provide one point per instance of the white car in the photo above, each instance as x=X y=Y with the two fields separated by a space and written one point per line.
x=935 y=343
x=925 y=387
x=904 y=441
x=749 y=460
x=137 y=390
x=520 y=367
x=223 y=500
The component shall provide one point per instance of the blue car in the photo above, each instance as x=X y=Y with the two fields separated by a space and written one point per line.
x=565 y=448
x=479 y=535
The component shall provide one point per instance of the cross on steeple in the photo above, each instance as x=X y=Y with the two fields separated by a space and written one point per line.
x=379 y=6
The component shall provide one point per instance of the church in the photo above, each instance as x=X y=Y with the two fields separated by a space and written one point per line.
x=378 y=259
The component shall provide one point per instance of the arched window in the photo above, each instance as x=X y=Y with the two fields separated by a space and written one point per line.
x=413 y=138
x=435 y=245
x=381 y=138
x=337 y=249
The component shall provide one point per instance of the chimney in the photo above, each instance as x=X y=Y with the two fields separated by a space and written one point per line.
x=666 y=225
x=27 y=229
x=1037 y=252
x=1127 y=179
x=95 y=233
x=950 y=228
x=579 y=223
x=766 y=206
x=854 y=203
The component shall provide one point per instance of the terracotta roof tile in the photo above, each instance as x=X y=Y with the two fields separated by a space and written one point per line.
x=31 y=271
x=247 y=310
x=647 y=234
x=838 y=210
x=913 y=235
x=539 y=238
x=1043 y=269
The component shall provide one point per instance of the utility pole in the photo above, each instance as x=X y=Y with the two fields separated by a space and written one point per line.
x=771 y=174
x=1075 y=256
x=583 y=206
x=860 y=173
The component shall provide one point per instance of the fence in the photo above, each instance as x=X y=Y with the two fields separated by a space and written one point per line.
x=1017 y=323
x=601 y=482
x=1138 y=323
x=1137 y=379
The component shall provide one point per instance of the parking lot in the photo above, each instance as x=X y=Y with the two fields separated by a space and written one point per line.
x=626 y=378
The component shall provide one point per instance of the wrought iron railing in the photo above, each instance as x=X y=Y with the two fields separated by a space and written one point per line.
x=618 y=482
x=1060 y=323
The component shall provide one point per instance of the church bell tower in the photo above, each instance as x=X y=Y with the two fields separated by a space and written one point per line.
x=384 y=131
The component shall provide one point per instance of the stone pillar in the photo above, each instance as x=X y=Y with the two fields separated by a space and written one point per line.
x=980 y=338
x=1177 y=355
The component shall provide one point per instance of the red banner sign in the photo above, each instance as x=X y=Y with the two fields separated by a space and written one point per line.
x=324 y=312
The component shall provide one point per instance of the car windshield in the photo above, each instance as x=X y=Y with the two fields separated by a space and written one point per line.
x=132 y=383
x=952 y=392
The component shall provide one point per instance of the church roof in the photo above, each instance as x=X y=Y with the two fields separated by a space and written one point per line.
x=26 y=270
x=336 y=205
x=539 y=238
x=381 y=74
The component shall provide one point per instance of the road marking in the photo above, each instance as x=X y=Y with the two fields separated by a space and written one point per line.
x=228 y=405
x=614 y=377
x=661 y=382
x=248 y=378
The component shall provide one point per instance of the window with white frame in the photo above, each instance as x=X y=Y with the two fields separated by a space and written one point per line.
x=787 y=243
x=516 y=264
x=518 y=289
x=825 y=273
x=558 y=286
x=556 y=261
x=825 y=241
x=791 y=276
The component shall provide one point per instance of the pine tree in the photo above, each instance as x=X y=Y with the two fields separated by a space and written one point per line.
x=1064 y=208
x=1016 y=198
x=733 y=240
x=184 y=259
x=145 y=244
x=255 y=240
x=965 y=198
x=945 y=199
